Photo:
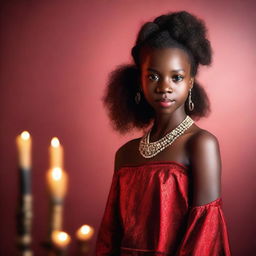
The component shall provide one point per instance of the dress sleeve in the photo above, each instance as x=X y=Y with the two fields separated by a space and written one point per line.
x=110 y=231
x=206 y=233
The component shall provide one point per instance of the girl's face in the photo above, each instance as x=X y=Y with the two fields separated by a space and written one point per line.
x=165 y=78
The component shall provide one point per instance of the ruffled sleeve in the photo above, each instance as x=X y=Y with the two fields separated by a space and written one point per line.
x=110 y=231
x=206 y=233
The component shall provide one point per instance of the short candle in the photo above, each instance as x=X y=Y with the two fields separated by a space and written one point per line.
x=84 y=233
x=60 y=239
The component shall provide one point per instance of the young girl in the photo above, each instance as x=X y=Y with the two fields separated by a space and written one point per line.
x=165 y=196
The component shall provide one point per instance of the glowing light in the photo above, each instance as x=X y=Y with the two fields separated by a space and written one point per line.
x=85 y=229
x=60 y=239
x=62 y=236
x=25 y=135
x=56 y=173
x=85 y=233
x=55 y=142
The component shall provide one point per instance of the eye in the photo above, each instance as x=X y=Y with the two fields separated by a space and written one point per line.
x=177 y=78
x=153 y=77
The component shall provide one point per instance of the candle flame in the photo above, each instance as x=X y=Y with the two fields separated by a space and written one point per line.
x=85 y=229
x=56 y=173
x=60 y=238
x=85 y=233
x=55 y=142
x=25 y=135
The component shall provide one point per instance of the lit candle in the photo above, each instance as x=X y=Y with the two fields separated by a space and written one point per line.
x=24 y=216
x=57 y=183
x=56 y=153
x=60 y=239
x=83 y=235
x=57 y=180
x=24 y=142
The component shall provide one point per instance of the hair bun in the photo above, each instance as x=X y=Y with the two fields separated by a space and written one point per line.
x=188 y=30
x=147 y=30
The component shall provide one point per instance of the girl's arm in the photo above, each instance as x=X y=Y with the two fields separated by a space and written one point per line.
x=206 y=231
x=206 y=168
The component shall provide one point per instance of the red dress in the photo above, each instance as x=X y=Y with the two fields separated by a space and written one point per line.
x=148 y=212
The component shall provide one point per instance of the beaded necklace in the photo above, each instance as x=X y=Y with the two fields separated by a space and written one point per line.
x=149 y=149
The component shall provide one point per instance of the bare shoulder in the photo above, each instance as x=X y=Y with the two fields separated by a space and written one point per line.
x=126 y=153
x=204 y=149
x=202 y=138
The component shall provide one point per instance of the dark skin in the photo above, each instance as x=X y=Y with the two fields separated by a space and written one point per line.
x=168 y=71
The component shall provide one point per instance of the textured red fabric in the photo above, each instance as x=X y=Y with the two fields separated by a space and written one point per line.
x=148 y=212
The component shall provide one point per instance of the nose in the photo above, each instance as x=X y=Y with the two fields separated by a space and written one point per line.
x=164 y=86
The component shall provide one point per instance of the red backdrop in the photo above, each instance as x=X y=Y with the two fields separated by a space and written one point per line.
x=55 y=59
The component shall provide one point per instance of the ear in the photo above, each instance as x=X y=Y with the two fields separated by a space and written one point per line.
x=191 y=82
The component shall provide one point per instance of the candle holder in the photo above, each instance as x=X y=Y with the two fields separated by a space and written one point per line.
x=56 y=215
x=54 y=251
x=24 y=225
x=58 y=252
x=83 y=248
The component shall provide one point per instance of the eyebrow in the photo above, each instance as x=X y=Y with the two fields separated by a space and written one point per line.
x=174 y=70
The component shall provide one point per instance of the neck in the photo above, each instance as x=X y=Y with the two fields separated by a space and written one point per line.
x=163 y=124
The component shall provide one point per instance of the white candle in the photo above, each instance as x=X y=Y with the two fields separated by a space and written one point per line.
x=57 y=180
x=24 y=142
x=56 y=153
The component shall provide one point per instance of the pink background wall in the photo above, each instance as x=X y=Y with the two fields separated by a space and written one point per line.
x=55 y=59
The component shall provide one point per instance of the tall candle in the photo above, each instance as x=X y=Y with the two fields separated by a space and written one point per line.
x=56 y=153
x=57 y=181
x=24 y=214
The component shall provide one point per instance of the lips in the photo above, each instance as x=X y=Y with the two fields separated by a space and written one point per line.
x=165 y=102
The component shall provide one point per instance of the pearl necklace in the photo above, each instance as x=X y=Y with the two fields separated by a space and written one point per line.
x=150 y=149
